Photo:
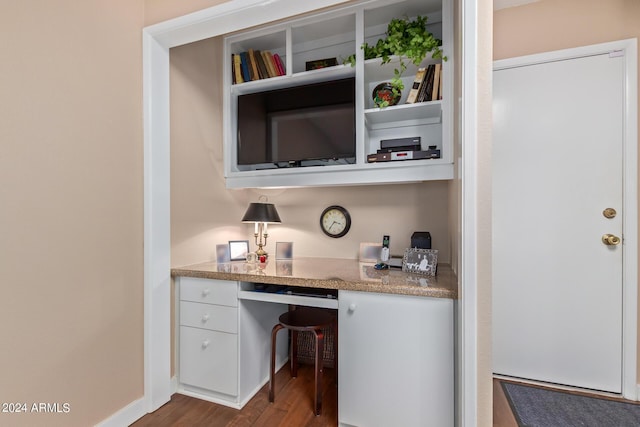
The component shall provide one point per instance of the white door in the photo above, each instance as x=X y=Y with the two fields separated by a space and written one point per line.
x=557 y=166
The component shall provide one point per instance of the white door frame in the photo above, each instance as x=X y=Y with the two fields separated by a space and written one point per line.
x=232 y=16
x=628 y=48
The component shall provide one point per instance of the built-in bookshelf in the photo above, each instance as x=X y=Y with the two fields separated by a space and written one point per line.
x=312 y=49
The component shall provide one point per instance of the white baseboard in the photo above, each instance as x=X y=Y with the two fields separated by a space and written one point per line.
x=125 y=416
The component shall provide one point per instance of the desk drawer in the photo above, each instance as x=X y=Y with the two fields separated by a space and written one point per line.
x=209 y=360
x=221 y=292
x=209 y=316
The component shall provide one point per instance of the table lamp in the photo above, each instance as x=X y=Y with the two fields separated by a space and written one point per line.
x=261 y=214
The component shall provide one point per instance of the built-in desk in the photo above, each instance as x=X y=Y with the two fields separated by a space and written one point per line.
x=395 y=346
x=331 y=273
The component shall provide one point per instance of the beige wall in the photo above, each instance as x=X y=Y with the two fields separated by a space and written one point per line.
x=204 y=213
x=71 y=201
x=566 y=23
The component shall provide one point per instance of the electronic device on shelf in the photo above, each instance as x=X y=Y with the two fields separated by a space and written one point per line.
x=403 y=149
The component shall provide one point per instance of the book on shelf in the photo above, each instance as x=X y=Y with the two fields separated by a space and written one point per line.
x=440 y=86
x=427 y=87
x=418 y=81
x=244 y=66
x=268 y=61
x=279 y=64
x=253 y=65
x=237 y=69
x=436 y=82
x=262 y=68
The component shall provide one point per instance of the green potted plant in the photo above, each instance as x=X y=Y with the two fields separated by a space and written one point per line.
x=405 y=39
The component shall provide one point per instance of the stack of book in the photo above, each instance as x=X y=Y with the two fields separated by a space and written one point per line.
x=427 y=84
x=256 y=65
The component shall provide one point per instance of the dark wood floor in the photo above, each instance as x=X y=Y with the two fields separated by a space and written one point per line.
x=293 y=406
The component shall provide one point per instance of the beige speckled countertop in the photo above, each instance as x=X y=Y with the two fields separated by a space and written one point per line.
x=330 y=273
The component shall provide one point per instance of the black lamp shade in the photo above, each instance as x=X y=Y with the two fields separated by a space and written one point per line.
x=261 y=212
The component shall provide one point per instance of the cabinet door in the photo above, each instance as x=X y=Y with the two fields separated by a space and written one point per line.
x=395 y=360
x=209 y=360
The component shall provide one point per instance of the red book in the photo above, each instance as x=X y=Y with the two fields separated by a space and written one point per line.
x=279 y=65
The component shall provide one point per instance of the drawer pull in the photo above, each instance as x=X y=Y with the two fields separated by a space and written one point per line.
x=205 y=293
x=205 y=344
x=352 y=308
x=205 y=318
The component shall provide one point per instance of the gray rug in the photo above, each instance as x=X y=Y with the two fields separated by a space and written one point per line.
x=537 y=407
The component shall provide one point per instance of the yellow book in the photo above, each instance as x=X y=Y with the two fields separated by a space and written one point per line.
x=415 y=87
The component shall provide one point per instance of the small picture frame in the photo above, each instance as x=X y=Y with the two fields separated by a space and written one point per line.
x=421 y=261
x=222 y=254
x=238 y=250
x=320 y=63
x=370 y=252
x=284 y=250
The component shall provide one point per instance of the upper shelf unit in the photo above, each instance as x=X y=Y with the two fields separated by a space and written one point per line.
x=312 y=49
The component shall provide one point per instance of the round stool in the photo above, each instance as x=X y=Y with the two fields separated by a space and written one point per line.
x=299 y=320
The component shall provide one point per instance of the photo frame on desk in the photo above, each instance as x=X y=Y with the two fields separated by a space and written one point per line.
x=421 y=261
x=238 y=250
x=222 y=254
x=369 y=252
x=284 y=250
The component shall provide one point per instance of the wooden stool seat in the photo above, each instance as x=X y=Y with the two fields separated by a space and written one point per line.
x=302 y=319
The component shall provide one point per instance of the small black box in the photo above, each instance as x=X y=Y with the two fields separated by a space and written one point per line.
x=421 y=240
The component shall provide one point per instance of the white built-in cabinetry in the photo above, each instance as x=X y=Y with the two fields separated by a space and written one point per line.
x=223 y=343
x=395 y=360
x=338 y=33
x=395 y=352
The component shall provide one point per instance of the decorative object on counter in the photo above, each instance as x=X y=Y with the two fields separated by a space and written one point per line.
x=384 y=95
x=404 y=39
x=369 y=252
x=261 y=214
x=422 y=261
x=252 y=258
x=262 y=261
x=335 y=221
x=284 y=267
x=421 y=240
x=222 y=254
x=320 y=63
x=238 y=250
x=284 y=250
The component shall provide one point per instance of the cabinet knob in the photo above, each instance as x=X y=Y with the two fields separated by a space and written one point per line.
x=205 y=344
x=205 y=318
x=205 y=293
x=352 y=307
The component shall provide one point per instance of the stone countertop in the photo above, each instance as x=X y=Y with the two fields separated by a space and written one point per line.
x=330 y=273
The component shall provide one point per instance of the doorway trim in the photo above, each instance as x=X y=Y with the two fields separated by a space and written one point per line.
x=627 y=48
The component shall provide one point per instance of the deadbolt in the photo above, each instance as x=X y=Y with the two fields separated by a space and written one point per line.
x=610 y=240
x=609 y=213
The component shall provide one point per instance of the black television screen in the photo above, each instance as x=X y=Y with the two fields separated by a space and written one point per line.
x=301 y=126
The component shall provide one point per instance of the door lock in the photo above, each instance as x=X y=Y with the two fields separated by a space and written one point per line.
x=610 y=240
x=609 y=213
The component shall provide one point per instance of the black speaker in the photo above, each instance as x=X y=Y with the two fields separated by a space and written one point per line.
x=421 y=240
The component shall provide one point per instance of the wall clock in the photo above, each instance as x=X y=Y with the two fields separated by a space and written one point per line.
x=335 y=221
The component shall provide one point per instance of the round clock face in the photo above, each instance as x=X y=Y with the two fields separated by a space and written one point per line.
x=335 y=221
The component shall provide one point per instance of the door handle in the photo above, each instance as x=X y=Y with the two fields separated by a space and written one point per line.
x=610 y=240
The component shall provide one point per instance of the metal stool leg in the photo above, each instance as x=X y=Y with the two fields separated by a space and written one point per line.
x=272 y=382
x=319 y=365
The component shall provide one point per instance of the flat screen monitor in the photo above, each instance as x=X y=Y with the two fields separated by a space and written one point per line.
x=307 y=125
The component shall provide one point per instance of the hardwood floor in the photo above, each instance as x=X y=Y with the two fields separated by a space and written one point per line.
x=293 y=406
